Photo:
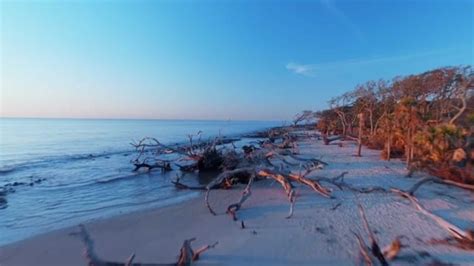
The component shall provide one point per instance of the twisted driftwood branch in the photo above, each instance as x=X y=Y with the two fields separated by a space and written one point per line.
x=339 y=182
x=220 y=179
x=233 y=208
x=314 y=184
x=186 y=257
x=247 y=167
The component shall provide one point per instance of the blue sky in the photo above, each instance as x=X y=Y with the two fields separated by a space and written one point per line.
x=258 y=60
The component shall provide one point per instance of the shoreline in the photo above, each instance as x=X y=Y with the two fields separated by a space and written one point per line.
x=319 y=232
x=13 y=187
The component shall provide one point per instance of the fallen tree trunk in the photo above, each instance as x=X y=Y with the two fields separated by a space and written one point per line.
x=163 y=165
x=388 y=253
x=339 y=182
x=314 y=184
x=455 y=231
x=373 y=242
x=327 y=140
x=284 y=179
x=439 y=181
x=460 y=238
x=285 y=183
x=177 y=183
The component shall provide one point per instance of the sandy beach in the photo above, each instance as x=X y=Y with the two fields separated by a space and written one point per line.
x=319 y=233
x=159 y=133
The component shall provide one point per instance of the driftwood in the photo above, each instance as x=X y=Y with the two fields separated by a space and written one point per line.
x=451 y=228
x=255 y=164
x=391 y=251
x=186 y=257
x=233 y=208
x=148 y=143
x=327 y=140
x=177 y=183
x=285 y=183
x=363 y=250
x=163 y=165
x=336 y=206
x=252 y=173
x=459 y=237
x=273 y=160
x=374 y=246
x=203 y=153
x=221 y=179
x=439 y=181
x=314 y=184
x=339 y=182
x=373 y=252
x=284 y=179
x=188 y=168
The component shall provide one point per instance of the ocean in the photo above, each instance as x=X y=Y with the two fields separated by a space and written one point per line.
x=62 y=172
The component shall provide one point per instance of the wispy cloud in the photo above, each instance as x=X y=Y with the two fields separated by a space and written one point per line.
x=310 y=70
x=305 y=70
x=339 y=15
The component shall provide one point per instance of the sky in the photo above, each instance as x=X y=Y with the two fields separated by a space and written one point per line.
x=238 y=60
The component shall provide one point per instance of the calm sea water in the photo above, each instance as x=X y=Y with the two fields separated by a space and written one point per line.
x=86 y=170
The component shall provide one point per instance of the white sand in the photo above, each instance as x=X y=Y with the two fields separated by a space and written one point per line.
x=316 y=235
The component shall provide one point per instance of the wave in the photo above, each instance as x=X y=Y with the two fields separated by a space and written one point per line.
x=65 y=158
x=7 y=170
x=115 y=179
x=58 y=159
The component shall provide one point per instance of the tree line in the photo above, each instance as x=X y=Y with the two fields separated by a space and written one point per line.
x=427 y=119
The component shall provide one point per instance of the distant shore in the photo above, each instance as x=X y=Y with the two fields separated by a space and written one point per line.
x=318 y=233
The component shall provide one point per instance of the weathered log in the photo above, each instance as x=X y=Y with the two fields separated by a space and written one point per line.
x=460 y=238
x=314 y=184
x=180 y=185
x=283 y=179
x=188 y=255
x=339 y=182
x=455 y=231
x=327 y=140
x=363 y=250
x=240 y=168
x=384 y=255
x=163 y=165
x=375 y=248
x=285 y=183
x=422 y=181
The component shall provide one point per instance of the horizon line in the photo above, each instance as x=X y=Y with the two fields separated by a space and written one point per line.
x=149 y=119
